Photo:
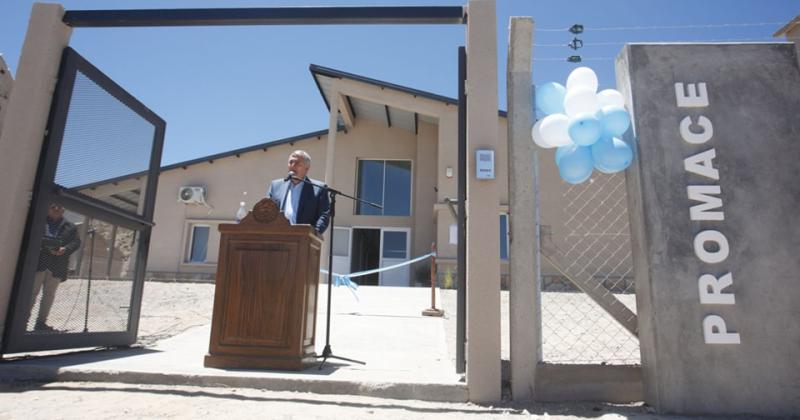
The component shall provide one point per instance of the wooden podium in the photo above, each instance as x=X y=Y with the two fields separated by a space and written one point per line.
x=265 y=301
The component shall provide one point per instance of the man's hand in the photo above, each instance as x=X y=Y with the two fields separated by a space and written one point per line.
x=59 y=252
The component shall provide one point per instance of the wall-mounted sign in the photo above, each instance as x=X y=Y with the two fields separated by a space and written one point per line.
x=484 y=164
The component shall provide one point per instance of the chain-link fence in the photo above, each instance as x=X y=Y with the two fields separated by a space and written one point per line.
x=588 y=299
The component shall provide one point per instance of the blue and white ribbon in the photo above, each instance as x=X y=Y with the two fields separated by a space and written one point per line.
x=346 y=279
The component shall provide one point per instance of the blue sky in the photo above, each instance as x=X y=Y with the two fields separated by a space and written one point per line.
x=221 y=88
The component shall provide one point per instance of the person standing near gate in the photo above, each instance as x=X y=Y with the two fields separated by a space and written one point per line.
x=299 y=201
x=59 y=242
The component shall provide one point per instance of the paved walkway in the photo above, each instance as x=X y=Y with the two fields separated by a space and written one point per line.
x=409 y=371
x=405 y=353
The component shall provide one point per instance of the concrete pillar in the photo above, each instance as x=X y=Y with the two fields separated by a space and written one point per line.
x=330 y=154
x=483 y=226
x=24 y=130
x=330 y=150
x=6 y=83
x=524 y=298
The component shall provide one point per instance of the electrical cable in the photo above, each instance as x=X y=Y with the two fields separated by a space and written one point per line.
x=660 y=27
x=596 y=44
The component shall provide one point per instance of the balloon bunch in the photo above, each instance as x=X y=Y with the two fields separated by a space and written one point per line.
x=585 y=126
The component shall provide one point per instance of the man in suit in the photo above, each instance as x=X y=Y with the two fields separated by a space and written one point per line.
x=300 y=202
x=59 y=242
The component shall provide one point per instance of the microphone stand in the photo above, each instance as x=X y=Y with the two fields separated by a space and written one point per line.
x=327 y=353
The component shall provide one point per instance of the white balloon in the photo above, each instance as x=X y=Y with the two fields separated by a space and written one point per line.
x=538 y=138
x=610 y=97
x=554 y=130
x=579 y=100
x=582 y=77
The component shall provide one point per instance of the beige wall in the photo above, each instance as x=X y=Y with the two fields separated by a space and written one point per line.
x=370 y=140
x=425 y=181
x=227 y=179
x=448 y=155
x=6 y=83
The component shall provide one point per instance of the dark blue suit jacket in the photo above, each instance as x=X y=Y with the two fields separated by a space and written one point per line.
x=314 y=208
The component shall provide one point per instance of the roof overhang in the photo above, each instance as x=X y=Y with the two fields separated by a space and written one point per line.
x=789 y=29
x=363 y=97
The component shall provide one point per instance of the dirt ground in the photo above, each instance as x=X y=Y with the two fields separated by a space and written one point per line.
x=87 y=400
x=169 y=309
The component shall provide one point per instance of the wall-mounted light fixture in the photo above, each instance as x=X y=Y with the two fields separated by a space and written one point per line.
x=449 y=172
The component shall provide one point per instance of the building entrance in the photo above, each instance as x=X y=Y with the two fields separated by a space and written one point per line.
x=366 y=254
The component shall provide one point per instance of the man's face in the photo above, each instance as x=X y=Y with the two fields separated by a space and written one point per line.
x=55 y=212
x=298 y=165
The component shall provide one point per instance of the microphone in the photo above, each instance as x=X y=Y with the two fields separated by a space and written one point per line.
x=289 y=176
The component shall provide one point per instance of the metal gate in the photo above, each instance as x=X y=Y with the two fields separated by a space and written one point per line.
x=81 y=270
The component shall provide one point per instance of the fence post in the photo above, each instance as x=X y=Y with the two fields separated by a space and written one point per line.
x=432 y=311
x=523 y=203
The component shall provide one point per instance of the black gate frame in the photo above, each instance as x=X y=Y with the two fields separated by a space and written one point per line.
x=46 y=191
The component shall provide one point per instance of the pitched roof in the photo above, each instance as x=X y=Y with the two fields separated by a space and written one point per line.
x=211 y=158
x=317 y=70
x=789 y=27
x=237 y=152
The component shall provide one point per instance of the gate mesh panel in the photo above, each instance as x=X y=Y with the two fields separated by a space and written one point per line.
x=587 y=240
x=100 y=271
x=103 y=139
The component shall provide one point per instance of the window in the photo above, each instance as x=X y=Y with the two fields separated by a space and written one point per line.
x=394 y=244
x=387 y=183
x=341 y=242
x=198 y=248
x=503 y=236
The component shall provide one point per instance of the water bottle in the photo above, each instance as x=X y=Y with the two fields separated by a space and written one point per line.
x=241 y=213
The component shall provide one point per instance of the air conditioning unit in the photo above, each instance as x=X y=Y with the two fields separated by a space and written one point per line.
x=192 y=195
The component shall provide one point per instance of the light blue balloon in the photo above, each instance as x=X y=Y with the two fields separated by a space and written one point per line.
x=585 y=129
x=611 y=155
x=603 y=169
x=550 y=98
x=615 y=120
x=561 y=151
x=575 y=165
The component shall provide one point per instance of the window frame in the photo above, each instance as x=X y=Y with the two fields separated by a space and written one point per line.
x=383 y=186
x=190 y=243
x=188 y=236
x=507 y=234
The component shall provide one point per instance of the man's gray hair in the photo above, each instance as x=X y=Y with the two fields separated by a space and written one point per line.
x=303 y=154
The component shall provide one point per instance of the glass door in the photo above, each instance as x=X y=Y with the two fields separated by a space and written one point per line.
x=394 y=250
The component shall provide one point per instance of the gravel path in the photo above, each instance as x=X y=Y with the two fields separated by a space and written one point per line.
x=576 y=330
